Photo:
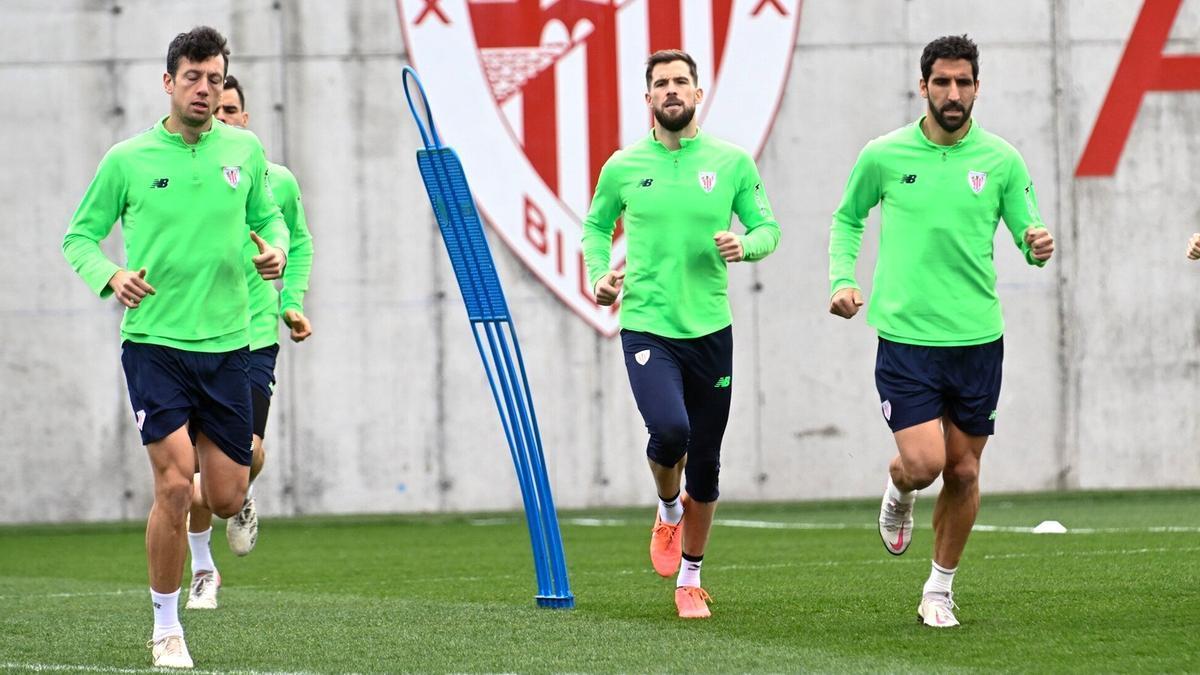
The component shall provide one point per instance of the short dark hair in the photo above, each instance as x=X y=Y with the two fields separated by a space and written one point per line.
x=199 y=44
x=667 y=56
x=952 y=47
x=231 y=82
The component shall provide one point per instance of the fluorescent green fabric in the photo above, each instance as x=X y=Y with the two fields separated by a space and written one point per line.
x=672 y=203
x=935 y=279
x=186 y=213
x=267 y=303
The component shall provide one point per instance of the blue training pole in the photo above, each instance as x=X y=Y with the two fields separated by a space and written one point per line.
x=496 y=340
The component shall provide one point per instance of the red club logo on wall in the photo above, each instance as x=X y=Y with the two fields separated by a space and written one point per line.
x=535 y=95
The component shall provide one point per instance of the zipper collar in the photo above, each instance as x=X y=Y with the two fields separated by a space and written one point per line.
x=684 y=143
x=177 y=139
x=924 y=140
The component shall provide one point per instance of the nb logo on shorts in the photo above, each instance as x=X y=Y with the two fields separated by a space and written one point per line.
x=642 y=357
x=723 y=382
x=992 y=417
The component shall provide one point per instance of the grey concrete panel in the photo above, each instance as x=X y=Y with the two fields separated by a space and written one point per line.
x=386 y=408
x=990 y=24
x=344 y=28
x=1137 y=342
x=1099 y=20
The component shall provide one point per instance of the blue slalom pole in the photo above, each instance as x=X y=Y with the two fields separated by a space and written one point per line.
x=496 y=341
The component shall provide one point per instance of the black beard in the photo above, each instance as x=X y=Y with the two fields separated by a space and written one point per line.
x=674 y=124
x=949 y=127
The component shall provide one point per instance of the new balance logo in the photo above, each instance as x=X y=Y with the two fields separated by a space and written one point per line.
x=160 y=183
x=908 y=178
x=992 y=417
x=647 y=182
x=723 y=382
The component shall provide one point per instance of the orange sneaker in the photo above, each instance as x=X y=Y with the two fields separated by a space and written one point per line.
x=666 y=546
x=691 y=602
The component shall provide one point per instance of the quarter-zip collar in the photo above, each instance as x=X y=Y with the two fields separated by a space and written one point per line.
x=962 y=142
x=695 y=142
x=177 y=139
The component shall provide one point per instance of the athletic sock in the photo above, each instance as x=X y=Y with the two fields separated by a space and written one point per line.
x=940 y=580
x=201 y=553
x=902 y=497
x=670 y=511
x=166 y=614
x=689 y=571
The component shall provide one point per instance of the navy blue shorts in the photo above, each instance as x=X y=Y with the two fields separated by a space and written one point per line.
x=210 y=392
x=918 y=383
x=262 y=369
x=262 y=385
x=683 y=388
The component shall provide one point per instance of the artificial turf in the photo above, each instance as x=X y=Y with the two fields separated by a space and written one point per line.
x=795 y=587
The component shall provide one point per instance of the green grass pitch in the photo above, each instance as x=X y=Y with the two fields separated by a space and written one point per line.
x=796 y=587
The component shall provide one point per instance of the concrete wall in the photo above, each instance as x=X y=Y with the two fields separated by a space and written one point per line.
x=385 y=408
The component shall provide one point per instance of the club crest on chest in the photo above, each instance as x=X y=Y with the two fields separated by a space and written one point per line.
x=977 y=179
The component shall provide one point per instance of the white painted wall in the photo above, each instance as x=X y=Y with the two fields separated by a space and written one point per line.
x=386 y=409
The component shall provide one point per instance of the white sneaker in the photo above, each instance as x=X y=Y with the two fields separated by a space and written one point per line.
x=241 y=531
x=170 y=652
x=203 y=591
x=895 y=524
x=937 y=610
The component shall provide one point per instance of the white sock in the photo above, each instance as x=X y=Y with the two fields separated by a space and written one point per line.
x=671 y=512
x=689 y=573
x=902 y=497
x=166 y=614
x=201 y=553
x=940 y=580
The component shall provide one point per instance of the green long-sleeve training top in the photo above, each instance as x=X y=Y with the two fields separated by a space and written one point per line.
x=935 y=278
x=267 y=303
x=186 y=214
x=672 y=203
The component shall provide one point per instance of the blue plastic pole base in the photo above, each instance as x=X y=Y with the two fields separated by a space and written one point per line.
x=556 y=601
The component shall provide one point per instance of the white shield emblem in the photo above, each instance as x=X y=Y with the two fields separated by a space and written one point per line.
x=559 y=109
x=642 y=357
x=887 y=410
x=708 y=180
x=977 y=179
x=233 y=174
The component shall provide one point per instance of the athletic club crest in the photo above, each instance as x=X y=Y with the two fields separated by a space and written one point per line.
x=233 y=175
x=977 y=179
x=542 y=92
x=708 y=180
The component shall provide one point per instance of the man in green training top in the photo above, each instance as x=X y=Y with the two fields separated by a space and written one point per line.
x=267 y=305
x=189 y=194
x=944 y=184
x=676 y=190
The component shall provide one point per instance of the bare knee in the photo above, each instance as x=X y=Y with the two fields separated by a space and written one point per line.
x=922 y=471
x=173 y=493
x=227 y=508
x=962 y=474
x=225 y=503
